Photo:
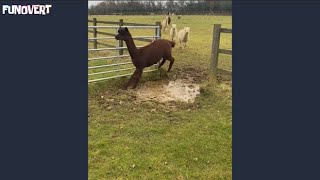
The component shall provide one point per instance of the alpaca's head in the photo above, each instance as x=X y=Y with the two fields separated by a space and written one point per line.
x=174 y=26
x=187 y=29
x=123 y=34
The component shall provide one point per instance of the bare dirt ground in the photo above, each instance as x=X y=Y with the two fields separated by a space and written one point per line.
x=182 y=85
x=169 y=92
x=185 y=89
x=182 y=89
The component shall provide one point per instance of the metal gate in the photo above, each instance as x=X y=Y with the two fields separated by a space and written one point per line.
x=105 y=66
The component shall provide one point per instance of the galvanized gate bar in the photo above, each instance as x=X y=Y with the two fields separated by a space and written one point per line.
x=102 y=49
x=105 y=72
x=123 y=75
x=133 y=27
x=108 y=57
x=108 y=65
x=135 y=37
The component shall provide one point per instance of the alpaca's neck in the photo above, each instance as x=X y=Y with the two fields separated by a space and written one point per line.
x=131 y=48
x=185 y=38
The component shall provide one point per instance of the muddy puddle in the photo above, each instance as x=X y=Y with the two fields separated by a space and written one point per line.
x=165 y=91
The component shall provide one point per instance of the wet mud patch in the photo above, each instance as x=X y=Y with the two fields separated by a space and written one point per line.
x=180 y=90
x=181 y=85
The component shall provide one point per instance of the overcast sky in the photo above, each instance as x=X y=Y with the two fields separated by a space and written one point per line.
x=92 y=3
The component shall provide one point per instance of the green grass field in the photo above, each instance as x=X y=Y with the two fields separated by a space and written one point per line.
x=174 y=140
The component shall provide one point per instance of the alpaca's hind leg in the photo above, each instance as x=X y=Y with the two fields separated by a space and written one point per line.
x=137 y=77
x=162 y=62
x=171 y=59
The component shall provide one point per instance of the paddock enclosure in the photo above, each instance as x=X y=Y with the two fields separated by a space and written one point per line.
x=110 y=58
x=154 y=131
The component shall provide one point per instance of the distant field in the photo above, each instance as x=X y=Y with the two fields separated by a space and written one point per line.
x=152 y=140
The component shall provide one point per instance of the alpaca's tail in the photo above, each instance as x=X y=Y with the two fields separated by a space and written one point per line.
x=172 y=43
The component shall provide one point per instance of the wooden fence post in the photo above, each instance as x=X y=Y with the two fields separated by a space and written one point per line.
x=121 y=42
x=94 y=33
x=158 y=30
x=215 y=53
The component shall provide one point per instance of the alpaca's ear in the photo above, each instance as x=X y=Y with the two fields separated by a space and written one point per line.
x=126 y=29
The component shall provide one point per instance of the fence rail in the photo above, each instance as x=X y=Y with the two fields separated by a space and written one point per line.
x=217 y=30
x=134 y=37
x=118 y=67
x=122 y=75
x=114 y=24
x=225 y=51
x=104 y=44
x=115 y=27
x=105 y=33
x=224 y=30
x=116 y=48
x=108 y=57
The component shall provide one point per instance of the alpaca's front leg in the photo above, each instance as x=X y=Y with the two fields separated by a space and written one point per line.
x=130 y=80
x=128 y=83
x=137 y=75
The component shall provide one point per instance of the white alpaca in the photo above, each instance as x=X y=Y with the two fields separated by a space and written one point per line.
x=183 y=36
x=165 y=23
x=173 y=32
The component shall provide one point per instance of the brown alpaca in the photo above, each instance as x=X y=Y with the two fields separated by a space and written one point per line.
x=145 y=56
